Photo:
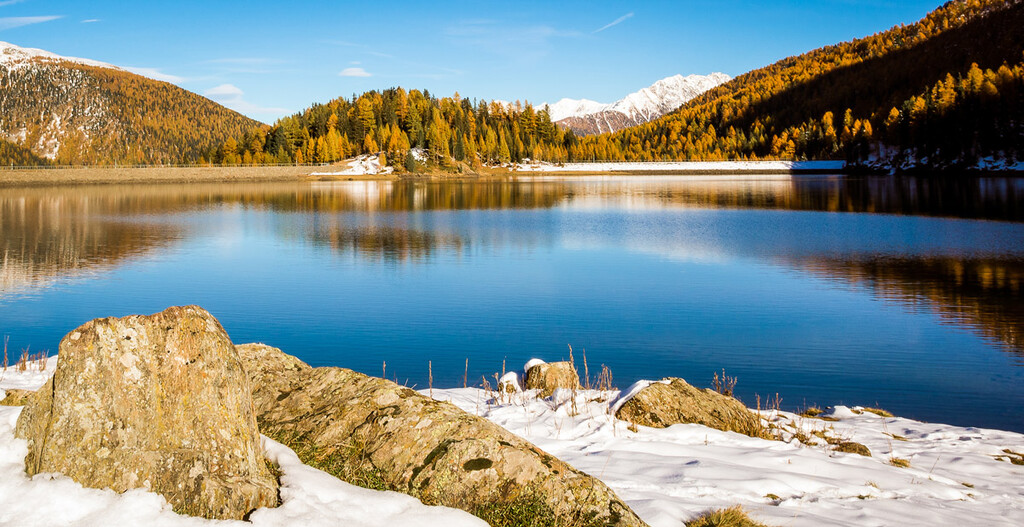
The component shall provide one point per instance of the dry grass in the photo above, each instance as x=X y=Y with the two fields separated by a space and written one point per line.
x=28 y=360
x=877 y=411
x=732 y=517
x=725 y=385
x=899 y=462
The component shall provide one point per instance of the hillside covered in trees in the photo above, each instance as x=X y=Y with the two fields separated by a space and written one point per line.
x=80 y=112
x=944 y=91
x=392 y=122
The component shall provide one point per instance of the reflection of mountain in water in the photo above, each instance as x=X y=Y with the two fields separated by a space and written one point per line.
x=46 y=234
x=44 y=237
x=982 y=294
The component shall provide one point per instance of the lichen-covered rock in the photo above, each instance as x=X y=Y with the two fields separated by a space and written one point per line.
x=15 y=397
x=378 y=434
x=664 y=404
x=550 y=376
x=160 y=402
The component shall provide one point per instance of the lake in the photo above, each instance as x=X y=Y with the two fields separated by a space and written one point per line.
x=907 y=294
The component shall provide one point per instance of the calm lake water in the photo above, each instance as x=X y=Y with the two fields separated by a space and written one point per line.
x=902 y=293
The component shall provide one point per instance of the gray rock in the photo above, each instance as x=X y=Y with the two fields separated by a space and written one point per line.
x=550 y=376
x=160 y=402
x=662 y=405
x=377 y=434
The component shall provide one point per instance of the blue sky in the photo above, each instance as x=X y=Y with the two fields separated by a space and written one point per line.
x=268 y=59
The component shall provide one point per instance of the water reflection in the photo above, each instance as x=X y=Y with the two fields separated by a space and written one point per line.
x=970 y=273
x=984 y=294
x=45 y=236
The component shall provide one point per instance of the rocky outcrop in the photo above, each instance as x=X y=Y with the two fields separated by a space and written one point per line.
x=14 y=397
x=378 y=434
x=661 y=405
x=550 y=376
x=160 y=402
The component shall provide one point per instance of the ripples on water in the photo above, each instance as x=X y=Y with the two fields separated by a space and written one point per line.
x=906 y=293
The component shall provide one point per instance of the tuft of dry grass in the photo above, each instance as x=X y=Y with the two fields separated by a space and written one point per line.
x=734 y=516
x=899 y=462
x=725 y=385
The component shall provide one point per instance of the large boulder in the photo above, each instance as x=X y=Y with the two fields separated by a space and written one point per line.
x=378 y=434
x=550 y=376
x=160 y=402
x=663 y=404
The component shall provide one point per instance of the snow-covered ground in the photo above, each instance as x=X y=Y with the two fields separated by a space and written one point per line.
x=957 y=476
x=309 y=496
x=672 y=475
x=359 y=166
x=683 y=166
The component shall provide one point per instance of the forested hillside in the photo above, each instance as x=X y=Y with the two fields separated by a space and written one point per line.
x=77 y=112
x=945 y=90
x=12 y=154
x=393 y=122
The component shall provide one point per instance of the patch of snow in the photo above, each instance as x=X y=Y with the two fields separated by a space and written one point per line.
x=531 y=363
x=363 y=165
x=672 y=475
x=309 y=496
x=16 y=57
x=682 y=166
x=510 y=379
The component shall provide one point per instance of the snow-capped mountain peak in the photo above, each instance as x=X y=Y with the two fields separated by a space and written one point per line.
x=586 y=117
x=573 y=107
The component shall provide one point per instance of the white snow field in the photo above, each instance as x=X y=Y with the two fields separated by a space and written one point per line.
x=672 y=475
x=363 y=165
x=957 y=475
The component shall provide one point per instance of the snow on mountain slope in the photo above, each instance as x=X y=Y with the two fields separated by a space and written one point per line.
x=589 y=117
x=16 y=57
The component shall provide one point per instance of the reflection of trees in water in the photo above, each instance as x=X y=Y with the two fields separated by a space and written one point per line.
x=987 y=198
x=986 y=295
x=390 y=243
x=44 y=237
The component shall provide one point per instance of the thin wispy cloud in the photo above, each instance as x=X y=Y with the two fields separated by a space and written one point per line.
x=10 y=2
x=244 y=60
x=354 y=72
x=616 y=22
x=233 y=97
x=90 y=21
x=11 y=22
x=521 y=44
x=155 y=73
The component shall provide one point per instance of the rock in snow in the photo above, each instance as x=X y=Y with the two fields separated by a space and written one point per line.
x=550 y=376
x=664 y=404
x=376 y=432
x=159 y=402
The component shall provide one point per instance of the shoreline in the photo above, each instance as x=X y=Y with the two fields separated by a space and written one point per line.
x=60 y=176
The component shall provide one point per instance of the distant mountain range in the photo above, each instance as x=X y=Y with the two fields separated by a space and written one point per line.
x=81 y=111
x=586 y=117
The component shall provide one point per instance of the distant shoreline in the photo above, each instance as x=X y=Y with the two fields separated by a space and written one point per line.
x=54 y=176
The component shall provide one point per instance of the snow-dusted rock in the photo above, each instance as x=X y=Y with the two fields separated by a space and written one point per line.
x=377 y=433
x=158 y=402
x=664 y=404
x=550 y=376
